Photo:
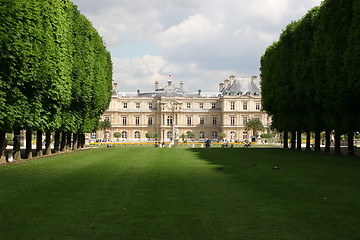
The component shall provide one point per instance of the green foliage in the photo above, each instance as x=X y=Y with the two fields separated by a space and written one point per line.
x=310 y=77
x=267 y=135
x=222 y=135
x=156 y=135
x=55 y=71
x=255 y=125
x=106 y=124
x=149 y=135
x=117 y=134
x=190 y=135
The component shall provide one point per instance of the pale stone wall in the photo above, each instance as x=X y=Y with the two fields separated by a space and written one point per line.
x=230 y=113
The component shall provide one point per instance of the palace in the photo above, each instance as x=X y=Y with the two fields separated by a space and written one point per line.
x=171 y=112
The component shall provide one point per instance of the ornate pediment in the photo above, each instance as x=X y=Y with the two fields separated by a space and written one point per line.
x=171 y=105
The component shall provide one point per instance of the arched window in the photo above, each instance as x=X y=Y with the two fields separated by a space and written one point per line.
x=169 y=135
x=214 y=135
x=137 y=135
x=170 y=120
x=201 y=135
x=124 y=135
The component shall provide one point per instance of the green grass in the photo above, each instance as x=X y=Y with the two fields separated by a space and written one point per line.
x=175 y=194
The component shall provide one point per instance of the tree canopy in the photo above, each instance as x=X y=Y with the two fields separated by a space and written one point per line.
x=55 y=70
x=310 y=76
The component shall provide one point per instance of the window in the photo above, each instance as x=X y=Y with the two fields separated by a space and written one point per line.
x=169 y=135
x=214 y=120
x=257 y=118
x=257 y=106
x=201 y=135
x=107 y=119
x=125 y=105
x=202 y=120
x=137 y=120
x=245 y=136
x=137 y=135
x=137 y=105
x=124 y=135
x=232 y=105
x=232 y=121
x=232 y=135
x=214 y=135
x=245 y=106
x=213 y=105
x=245 y=120
x=188 y=121
x=150 y=104
x=201 y=105
x=150 y=120
x=188 y=105
x=124 y=120
x=169 y=120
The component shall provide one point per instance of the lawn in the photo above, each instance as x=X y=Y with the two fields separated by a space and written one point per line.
x=174 y=194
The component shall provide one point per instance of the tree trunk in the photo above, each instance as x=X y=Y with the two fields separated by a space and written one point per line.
x=39 y=149
x=286 y=140
x=17 y=153
x=298 y=141
x=79 y=145
x=57 y=142
x=82 y=140
x=28 y=151
x=48 y=143
x=293 y=140
x=351 y=150
x=75 y=141
x=63 y=141
x=3 y=143
x=308 y=139
x=68 y=141
x=317 y=141
x=337 y=143
x=327 y=141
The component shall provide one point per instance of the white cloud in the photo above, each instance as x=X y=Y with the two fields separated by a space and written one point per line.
x=197 y=29
x=201 y=42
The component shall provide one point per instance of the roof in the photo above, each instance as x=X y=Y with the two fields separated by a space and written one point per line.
x=242 y=86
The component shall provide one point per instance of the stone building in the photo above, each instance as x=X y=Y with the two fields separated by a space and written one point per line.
x=171 y=112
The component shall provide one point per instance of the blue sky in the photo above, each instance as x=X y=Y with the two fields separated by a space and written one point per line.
x=200 y=42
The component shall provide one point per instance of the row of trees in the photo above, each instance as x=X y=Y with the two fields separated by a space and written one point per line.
x=311 y=75
x=55 y=72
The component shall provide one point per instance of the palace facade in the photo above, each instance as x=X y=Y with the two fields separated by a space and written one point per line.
x=171 y=112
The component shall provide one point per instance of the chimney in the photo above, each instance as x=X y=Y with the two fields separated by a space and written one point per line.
x=182 y=86
x=221 y=87
x=114 y=85
x=156 y=85
x=226 y=84
x=254 y=78
x=232 y=79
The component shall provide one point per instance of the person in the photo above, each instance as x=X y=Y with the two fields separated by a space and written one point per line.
x=207 y=143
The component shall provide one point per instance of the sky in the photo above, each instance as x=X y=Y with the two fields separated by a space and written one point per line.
x=200 y=42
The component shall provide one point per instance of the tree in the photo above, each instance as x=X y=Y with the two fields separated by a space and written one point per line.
x=190 y=135
x=149 y=135
x=104 y=125
x=222 y=135
x=255 y=125
x=183 y=136
x=117 y=135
